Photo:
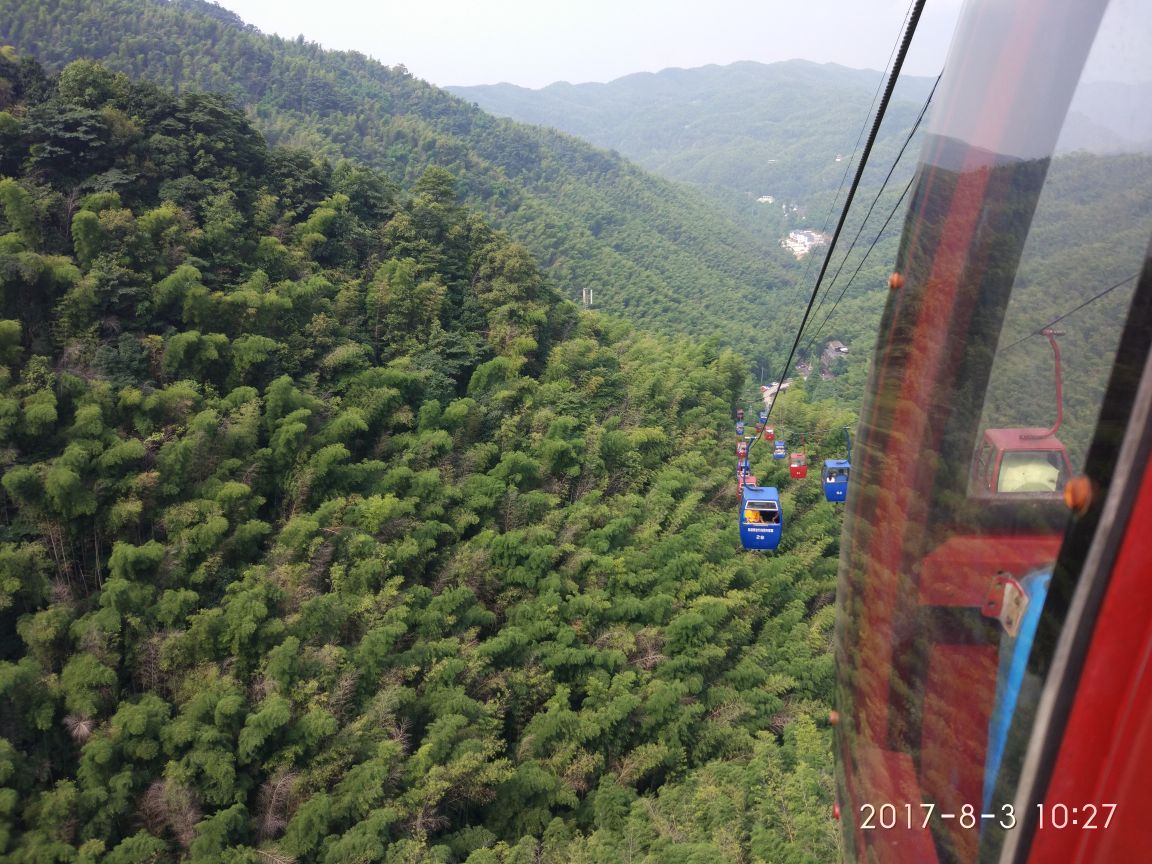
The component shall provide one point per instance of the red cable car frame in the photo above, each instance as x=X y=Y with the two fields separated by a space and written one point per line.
x=919 y=659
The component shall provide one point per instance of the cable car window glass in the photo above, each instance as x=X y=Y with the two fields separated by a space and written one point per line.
x=1087 y=238
x=1031 y=471
x=768 y=511
x=1029 y=210
x=754 y=510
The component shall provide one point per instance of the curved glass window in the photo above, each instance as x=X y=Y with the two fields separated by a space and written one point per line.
x=1031 y=471
x=1032 y=209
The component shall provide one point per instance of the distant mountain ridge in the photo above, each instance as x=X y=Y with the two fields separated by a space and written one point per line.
x=750 y=128
x=779 y=129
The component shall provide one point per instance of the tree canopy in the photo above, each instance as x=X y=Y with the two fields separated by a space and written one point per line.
x=331 y=532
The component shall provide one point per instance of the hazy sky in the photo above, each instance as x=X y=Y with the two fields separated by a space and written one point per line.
x=537 y=42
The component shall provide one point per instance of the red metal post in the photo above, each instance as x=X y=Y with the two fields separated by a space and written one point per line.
x=1051 y=334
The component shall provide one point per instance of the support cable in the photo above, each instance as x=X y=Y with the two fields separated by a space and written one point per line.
x=856 y=146
x=909 y=31
x=872 y=206
x=1039 y=331
x=860 y=266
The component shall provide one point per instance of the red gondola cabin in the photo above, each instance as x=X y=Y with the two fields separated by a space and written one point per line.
x=798 y=465
x=1020 y=461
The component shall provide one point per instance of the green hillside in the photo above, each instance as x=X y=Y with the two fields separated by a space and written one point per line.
x=653 y=252
x=329 y=533
x=749 y=129
x=771 y=145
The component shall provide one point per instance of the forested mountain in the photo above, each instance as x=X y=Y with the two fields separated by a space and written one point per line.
x=753 y=129
x=330 y=533
x=653 y=252
x=772 y=144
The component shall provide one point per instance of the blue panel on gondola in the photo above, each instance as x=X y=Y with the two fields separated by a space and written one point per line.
x=1014 y=652
x=761 y=519
x=780 y=449
x=836 y=479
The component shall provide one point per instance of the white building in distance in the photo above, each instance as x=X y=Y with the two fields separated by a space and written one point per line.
x=800 y=243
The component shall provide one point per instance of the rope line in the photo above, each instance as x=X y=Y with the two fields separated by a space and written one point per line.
x=872 y=206
x=911 y=29
x=856 y=146
x=1070 y=312
x=860 y=266
x=859 y=137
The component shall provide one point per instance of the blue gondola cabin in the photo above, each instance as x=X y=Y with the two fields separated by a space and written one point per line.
x=836 y=479
x=739 y=427
x=780 y=450
x=761 y=519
